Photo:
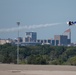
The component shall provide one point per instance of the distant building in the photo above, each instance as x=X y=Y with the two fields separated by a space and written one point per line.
x=30 y=44
x=48 y=42
x=68 y=33
x=4 y=41
x=63 y=40
x=39 y=41
x=56 y=42
x=30 y=37
x=20 y=39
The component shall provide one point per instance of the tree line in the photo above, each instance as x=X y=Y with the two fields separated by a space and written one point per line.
x=40 y=54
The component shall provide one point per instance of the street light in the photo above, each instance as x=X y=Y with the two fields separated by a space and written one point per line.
x=18 y=23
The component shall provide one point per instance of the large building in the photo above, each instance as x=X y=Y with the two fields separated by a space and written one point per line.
x=63 y=40
x=30 y=37
x=68 y=33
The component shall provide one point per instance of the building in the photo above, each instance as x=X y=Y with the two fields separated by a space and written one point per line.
x=51 y=42
x=29 y=44
x=20 y=39
x=68 y=33
x=63 y=40
x=30 y=37
x=4 y=41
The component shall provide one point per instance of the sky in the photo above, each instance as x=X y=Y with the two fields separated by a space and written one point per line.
x=37 y=12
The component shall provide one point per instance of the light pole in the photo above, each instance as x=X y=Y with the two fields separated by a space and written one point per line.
x=18 y=23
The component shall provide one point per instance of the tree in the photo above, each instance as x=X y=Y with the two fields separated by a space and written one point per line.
x=36 y=59
x=72 y=60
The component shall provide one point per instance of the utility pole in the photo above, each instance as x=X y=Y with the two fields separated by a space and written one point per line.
x=18 y=23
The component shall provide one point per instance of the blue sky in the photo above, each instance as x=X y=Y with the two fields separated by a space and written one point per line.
x=29 y=12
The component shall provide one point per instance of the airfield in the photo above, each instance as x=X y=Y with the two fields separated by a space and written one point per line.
x=13 y=69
